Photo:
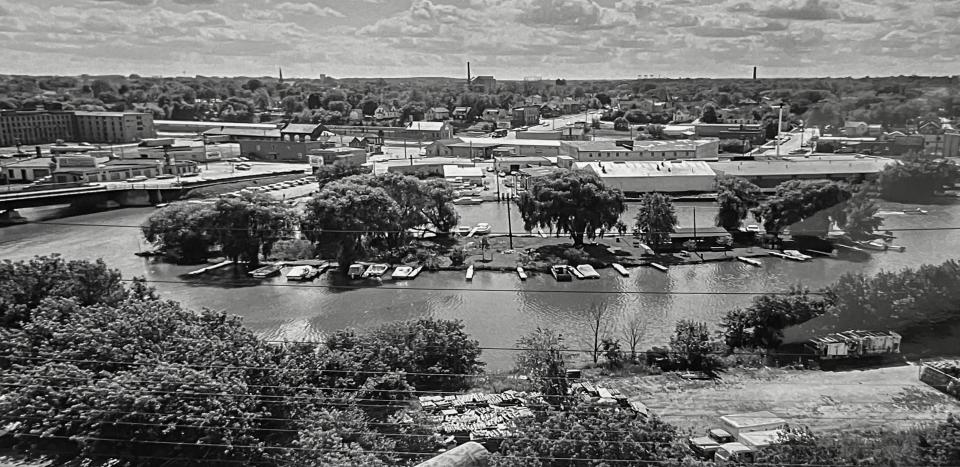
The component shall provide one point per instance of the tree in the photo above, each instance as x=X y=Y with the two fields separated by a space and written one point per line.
x=542 y=359
x=860 y=215
x=799 y=200
x=247 y=226
x=573 y=202
x=99 y=86
x=597 y=327
x=589 y=434
x=336 y=171
x=621 y=124
x=656 y=219
x=633 y=329
x=351 y=216
x=253 y=84
x=180 y=230
x=709 y=114
x=762 y=323
x=437 y=204
x=736 y=197
x=916 y=179
x=290 y=105
x=690 y=346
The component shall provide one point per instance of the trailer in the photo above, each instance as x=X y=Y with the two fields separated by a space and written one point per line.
x=855 y=345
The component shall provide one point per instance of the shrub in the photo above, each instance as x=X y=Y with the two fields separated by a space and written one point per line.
x=292 y=250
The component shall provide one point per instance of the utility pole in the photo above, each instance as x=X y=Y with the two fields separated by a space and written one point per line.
x=509 y=224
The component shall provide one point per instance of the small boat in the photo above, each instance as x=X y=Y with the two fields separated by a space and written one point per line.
x=575 y=272
x=588 y=271
x=162 y=205
x=622 y=270
x=375 y=270
x=266 y=271
x=468 y=200
x=659 y=266
x=560 y=273
x=786 y=256
x=463 y=230
x=749 y=261
x=482 y=228
x=356 y=271
x=914 y=211
x=875 y=245
x=209 y=268
x=469 y=275
x=402 y=272
x=322 y=267
x=416 y=272
x=521 y=273
x=302 y=273
x=798 y=254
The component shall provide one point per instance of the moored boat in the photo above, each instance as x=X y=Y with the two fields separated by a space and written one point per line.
x=575 y=272
x=798 y=254
x=588 y=272
x=401 y=272
x=462 y=230
x=914 y=211
x=561 y=273
x=302 y=273
x=749 y=261
x=659 y=266
x=468 y=200
x=521 y=273
x=622 y=270
x=266 y=271
x=875 y=245
x=356 y=270
x=416 y=272
x=482 y=228
x=469 y=275
x=375 y=270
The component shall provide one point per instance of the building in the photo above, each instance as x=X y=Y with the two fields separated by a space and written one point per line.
x=330 y=155
x=951 y=144
x=440 y=147
x=234 y=135
x=429 y=131
x=494 y=114
x=484 y=83
x=461 y=113
x=517 y=163
x=302 y=132
x=119 y=170
x=35 y=127
x=855 y=128
x=386 y=114
x=425 y=167
x=114 y=127
x=27 y=170
x=525 y=115
x=276 y=150
x=471 y=175
x=770 y=173
x=519 y=147
x=651 y=150
x=471 y=150
x=437 y=114
x=752 y=133
x=674 y=176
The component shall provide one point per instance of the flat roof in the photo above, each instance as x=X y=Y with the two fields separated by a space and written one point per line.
x=648 y=168
x=705 y=231
x=670 y=145
x=451 y=171
x=244 y=131
x=300 y=128
x=803 y=166
x=426 y=126
x=263 y=126
x=343 y=149
x=473 y=145
x=426 y=161
x=514 y=142
x=37 y=162
x=746 y=420
x=105 y=114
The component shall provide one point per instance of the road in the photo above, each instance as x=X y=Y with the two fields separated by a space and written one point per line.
x=789 y=141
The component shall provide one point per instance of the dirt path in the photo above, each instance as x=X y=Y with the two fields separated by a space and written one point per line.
x=858 y=400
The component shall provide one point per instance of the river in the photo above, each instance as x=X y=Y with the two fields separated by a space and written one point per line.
x=496 y=307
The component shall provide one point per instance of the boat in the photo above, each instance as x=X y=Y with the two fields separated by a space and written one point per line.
x=302 y=273
x=356 y=270
x=266 y=271
x=468 y=200
x=209 y=268
x=161 y=205
x=588 y=271
x=798 y=254
x=482 y=228
x=322 y=267
x=375 y=270
x=463 y=230
x=521 y=273
x=402 y=272
x=749 y=261
x=786 y=256
x=469 y=275
x=575 y=272
x=875 y=245
x=416 y=272
x=659 y=266
x=560 y=273
x=622 y=270
x=914 y=211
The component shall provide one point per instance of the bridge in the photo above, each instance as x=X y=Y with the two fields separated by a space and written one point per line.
x=124 y=194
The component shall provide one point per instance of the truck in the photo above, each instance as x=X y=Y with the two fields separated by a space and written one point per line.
x=739 y=437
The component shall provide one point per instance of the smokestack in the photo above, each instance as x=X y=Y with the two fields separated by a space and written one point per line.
x=39 y=154
x=754 y=73
x=468 y=73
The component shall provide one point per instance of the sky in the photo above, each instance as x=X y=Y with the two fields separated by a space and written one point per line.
x=509 y=39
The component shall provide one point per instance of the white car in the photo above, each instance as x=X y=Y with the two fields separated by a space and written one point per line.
x=137 y=179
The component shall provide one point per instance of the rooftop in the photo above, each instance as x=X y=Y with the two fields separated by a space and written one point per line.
x=472 y=145
x=426 y=126
x=243 y=131
x=451 y=171
x=105 y=114
x=427 y=161
x=670 y=145
x=33 y=162
x=300 y=128
x=648 y=168
x=744 y=420
x=514 y=142
x=803 y=166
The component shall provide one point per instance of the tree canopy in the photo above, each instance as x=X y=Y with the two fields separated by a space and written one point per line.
x=916 y=179
x=736 y=197
x=574 y=202
x=804 y=200
x=657 y=219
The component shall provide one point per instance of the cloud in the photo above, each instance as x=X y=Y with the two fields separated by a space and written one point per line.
x=130 y=2
x=196 y=2
x=810 y=10
x=309 y=9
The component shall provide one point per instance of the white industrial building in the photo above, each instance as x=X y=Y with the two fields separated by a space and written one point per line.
x=650 y=150
x=471 y=175
x=648 y=176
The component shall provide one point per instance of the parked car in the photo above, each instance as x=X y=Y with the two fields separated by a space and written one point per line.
x=242 y=167
x=137 y=179
x=165 y=176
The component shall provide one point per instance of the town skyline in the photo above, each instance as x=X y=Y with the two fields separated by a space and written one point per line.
x=509 y=39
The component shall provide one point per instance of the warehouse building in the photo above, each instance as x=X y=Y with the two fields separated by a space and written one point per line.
x=635 y=177
x=770 y=173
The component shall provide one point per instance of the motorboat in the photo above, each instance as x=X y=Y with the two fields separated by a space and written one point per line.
x=322 y=267
x=468 y=200
x=521 y=273
x=482 y=228
x=356 y=271
x=416 y=272
x=575 y=272
x=266 y=271
x=302 y=273
x=588 y=271
x=469 y=275
x=876 y=245
x=914 y=211
x=797 y=254
x=622 y=270
x=375 y=270
x=462 y=230
x=561 y=273
x=402 y=272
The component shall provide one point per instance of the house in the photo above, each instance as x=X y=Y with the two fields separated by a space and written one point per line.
x=951 y=144
x=302 y=132
x=437 y=114
x=428 y=131
x=329 y=156
x=526 y=115
x=494 y=114
x=355 y=116
x=535 y=99
x=461 y=113
x=874 y=130
x=384 y=113
x=855 y=128
x=272 y=150
x=27 y=170
x=441 y=147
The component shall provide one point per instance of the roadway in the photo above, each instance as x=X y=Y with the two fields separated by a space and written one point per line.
x=789 y=142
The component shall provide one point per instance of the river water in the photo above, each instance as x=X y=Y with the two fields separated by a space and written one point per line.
x=496 y=307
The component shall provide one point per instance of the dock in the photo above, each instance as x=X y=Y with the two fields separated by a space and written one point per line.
x=622 y=270
x=469 y=275
x=416 y=272
x=521 y=274
x=659 y=266
x=749 y=261
x=822 y=253
x=786 y=256
x=210 y=268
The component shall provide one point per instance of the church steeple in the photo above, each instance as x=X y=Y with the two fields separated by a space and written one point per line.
x=281 y=74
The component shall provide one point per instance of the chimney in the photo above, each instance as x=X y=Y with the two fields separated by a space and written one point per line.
x=468 y=73
x=754 y=73
x=38 y=151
